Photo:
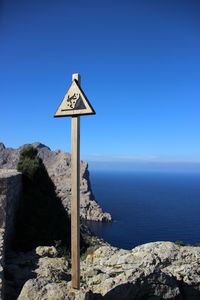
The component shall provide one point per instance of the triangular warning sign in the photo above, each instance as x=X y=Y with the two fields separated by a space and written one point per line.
x=74 y=103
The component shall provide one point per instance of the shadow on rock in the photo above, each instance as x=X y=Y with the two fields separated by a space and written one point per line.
x=41 y=219
x=19 y=268
x=156 y=286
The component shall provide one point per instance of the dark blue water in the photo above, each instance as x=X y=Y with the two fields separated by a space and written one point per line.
x=147 y=207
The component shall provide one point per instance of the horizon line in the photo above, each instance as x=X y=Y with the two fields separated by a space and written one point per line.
x=139 y=159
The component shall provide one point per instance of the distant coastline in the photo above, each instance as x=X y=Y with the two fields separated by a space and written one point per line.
x=146 y=166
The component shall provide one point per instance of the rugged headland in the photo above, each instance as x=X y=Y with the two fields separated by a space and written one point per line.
x=58 y=165
x=154 y=271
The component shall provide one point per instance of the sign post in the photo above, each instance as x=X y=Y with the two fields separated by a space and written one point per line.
x=75 y=201
x=75 y=104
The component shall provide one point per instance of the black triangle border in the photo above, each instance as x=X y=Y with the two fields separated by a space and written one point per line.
x=74 y=115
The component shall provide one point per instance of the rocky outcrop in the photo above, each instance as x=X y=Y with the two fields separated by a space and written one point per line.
x=58 y=164
x=160 y=270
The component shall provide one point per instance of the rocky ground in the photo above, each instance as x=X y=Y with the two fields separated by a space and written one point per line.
x=58 y=165
x=160 y=270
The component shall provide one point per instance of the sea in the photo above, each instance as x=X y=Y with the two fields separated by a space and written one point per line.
x=147 y=207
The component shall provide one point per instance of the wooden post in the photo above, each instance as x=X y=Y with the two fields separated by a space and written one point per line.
x=75 y=104
x=75 y=199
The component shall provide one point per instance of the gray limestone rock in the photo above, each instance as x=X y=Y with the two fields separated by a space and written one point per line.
x=154 y=271
x=58 y=164
x=36 y=289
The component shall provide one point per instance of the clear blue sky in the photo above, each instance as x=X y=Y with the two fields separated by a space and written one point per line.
x=140 y=68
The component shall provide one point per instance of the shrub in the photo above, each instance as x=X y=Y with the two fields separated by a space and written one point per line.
x=180 y=243
x=29 y=163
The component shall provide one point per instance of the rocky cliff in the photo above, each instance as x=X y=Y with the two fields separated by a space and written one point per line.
x=58 y=165
x=154 y=271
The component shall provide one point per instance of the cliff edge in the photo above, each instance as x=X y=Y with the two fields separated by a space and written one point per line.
x=153 y=271
x=58 y=165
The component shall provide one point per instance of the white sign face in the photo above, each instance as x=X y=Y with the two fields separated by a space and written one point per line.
x=74 y=103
